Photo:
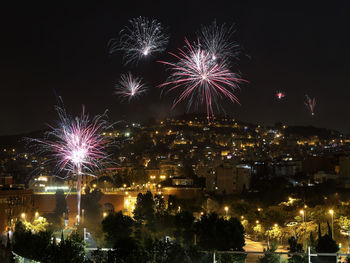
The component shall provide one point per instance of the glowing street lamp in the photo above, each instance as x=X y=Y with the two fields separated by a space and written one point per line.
x=332 y=213
x=36 y=214
x=23 y=216
x=303 y=213
x=104 y=214
x=226 y=210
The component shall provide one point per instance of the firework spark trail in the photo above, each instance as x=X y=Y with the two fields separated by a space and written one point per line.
x=280 y=95
x=76 y=145
x=140 y=39
x=217 y=40
x=130 y=87
x=310 y=103
x=202 y=80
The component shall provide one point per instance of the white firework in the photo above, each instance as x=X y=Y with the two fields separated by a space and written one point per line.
x=141 y=38
x=130 y=87
x=217 y=40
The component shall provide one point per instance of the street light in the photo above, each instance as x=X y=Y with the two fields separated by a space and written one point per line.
x=23 y=215
x=36 y=214
x=303 y=213
x=226 y=210
x=104 y=214
x=257 y=221
x=332 y=213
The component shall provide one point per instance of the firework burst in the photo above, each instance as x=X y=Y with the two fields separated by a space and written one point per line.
x=76 y=146
x=130 y=87
x=280 y=95
x=310 y=103
x=143 y=37
x=217 y=40
x=202 y=80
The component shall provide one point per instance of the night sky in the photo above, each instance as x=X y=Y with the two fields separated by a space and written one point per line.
x=54 y=48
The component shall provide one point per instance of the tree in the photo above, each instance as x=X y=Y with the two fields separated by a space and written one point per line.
x=344 y=223
x=295 y=247
x=258 y=230
x=274 y=233
x=159 y=204
x=216 y=233
x=144 y=209
x=43 y=248
x=92 y=216
x=184 y=227
x=69 y=250
x=244 y=223
x=61 y=204
x=98 y=256
x=326 y=244
x=169 y=252
x=26 y=243
x=39 y=224
x=90 y=204
x=118 y=228
x=269 y=256
x=172 y=203
x=312 y=242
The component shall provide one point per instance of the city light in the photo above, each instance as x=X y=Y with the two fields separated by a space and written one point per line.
x=226 y=210
x=55 y=188
x=201 y=169
x=332 y=213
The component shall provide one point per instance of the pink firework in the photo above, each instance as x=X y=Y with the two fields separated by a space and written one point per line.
x=130 y=87
x=280 y=95
x=76 y=145
x=310 y=103
x=200 y=79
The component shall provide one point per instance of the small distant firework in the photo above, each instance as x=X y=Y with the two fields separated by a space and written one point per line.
x=76 y=146
x=140 y=39
x=310 y=103
x=130 y=87
x=202 y=80
x=217 y=40
x=280 y=95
